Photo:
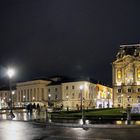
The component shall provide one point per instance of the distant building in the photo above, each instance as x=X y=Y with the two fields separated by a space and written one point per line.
x=126 y=76
x=5 y=96
x=67 y=94
x=60 y=93
x=31 y=91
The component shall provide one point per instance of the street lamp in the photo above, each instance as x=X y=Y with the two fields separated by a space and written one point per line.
x=81 y=89
x=11 y=73
x=13 y=93
x=67 y=97
x=49 y=98
x=108 y=98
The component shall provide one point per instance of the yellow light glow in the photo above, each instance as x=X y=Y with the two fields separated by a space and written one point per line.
x=138 y=73
x=118 y=122
x=119 y=74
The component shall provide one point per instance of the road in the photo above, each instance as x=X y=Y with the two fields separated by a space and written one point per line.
x=18 y=130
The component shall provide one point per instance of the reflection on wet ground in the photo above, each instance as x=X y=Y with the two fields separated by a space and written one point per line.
x=41 y=117
x=23 y=116
x=15 y=130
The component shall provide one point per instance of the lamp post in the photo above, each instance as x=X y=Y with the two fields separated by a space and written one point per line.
x=81 y=89
x=108 y=98
x=13 y=93
x=11 y=73
x=49 y=98
x=67 y=102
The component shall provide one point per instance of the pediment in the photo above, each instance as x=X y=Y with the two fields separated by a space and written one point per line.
x=127 y=59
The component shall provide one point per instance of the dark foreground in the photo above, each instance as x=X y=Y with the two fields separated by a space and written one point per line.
x=16 y=130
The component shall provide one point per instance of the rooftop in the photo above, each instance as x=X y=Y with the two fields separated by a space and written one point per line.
x=133 y=50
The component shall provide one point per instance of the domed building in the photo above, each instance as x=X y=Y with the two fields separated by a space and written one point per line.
x=126 y=76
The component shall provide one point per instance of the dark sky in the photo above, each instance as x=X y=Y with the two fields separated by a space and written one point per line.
x=65 y=37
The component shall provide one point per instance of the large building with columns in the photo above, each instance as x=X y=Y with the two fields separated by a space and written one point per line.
x=126 y=76
x=58 y=93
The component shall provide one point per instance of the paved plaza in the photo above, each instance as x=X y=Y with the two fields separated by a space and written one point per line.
x=17 y=130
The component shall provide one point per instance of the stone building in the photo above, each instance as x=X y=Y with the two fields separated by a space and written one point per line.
x=31 y=92
x=126 y=76
x=59 y=93
x=67 y=94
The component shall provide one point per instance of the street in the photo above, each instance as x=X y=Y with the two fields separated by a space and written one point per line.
x=18 y=130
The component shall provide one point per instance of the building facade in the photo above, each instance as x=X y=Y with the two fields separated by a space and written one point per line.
x=104 y=96
x=31 y=92
x=65 y=95
x=126 y=76
x=69 y=95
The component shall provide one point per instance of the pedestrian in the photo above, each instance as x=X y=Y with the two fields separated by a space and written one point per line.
x=38 y=108
x=31 y=109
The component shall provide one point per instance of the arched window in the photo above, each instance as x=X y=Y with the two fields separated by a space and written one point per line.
x=119 y=74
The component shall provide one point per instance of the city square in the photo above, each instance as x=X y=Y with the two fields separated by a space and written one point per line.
x=69 y=70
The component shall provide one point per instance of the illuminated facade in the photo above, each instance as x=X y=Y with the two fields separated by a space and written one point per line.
x=66 y=95
x=4 y=97
x=104 y=96
x=31 y=92
x=126 y=76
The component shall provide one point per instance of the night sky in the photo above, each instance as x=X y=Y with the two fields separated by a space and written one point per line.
x=42 y=38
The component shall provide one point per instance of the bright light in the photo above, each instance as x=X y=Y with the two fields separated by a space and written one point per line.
x=49 y=95
x=10 y=72
x=33 y=98
x=67 y=96
x=81 y=87
x=23 y=96
x=13 y=92
x=122 y=95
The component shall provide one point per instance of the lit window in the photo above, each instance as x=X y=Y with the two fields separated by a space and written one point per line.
x=119 y=74
x=138 y=72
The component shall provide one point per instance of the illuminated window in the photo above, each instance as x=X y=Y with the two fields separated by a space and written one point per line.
x=139 y=73
x=119 y=74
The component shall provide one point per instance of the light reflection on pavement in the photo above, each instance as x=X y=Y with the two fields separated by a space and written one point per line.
x=17 y=130
x=23 y=116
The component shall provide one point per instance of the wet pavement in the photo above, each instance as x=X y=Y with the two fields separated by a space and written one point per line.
x=16 y=130
x=21 y=115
